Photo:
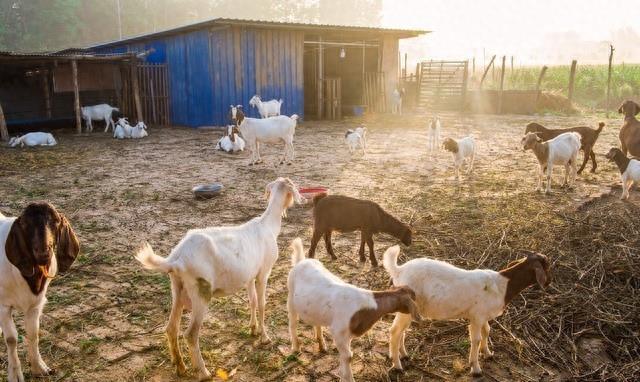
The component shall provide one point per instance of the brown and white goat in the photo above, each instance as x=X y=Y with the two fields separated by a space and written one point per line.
x=345 y=214
x=34 y=248
x=630 y=131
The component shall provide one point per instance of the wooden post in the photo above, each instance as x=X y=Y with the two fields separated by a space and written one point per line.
x=320 y=78
x=405 y=65
x=542 y=72
x=76 y=95
x=611 y=49
x=4 y=133
x=572 y=77
x=486 y=70
x=473 y=67
x=465 y=77
x=501 y=85
x=136 y=89
x=47 y=93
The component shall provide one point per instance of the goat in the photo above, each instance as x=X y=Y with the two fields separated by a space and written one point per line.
x=445 y=292
x=33 y=139
x=34 y=248
x=396 y=101
x=231 y=141
x=123 y=129
x=561 y=150
x=355 y=138
x=139 y=130
x=433 y=134
x=630 y=131
x=219 y=261
x=269 y=130
x=629 y=169
x=266 y=109
x=461 y=149
x=588 y=138
x=101 y=112
x=345 y=214
x=233 y=113
x=320 y=298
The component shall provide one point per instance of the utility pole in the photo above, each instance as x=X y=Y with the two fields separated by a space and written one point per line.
x=119 y=20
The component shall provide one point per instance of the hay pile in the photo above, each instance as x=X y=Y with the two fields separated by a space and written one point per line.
x=555 y=101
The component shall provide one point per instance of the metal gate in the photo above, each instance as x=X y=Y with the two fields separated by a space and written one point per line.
x=154 y=93
x=442 y=85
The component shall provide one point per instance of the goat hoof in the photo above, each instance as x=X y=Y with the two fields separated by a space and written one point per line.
x=476 y=374
x=181 y=369
x=395 y=371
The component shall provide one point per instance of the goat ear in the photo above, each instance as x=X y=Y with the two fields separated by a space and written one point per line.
x=620 y=109
x=68 y=246
x=17 y=250
x=541 y=275
x=414 y=311
x=637 y=108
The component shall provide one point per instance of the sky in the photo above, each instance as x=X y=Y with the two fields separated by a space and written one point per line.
x=534 y=31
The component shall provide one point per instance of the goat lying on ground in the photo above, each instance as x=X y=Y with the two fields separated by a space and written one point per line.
x=231 y=142
x=461 y=149
x=123 y=129
x=629 y=170
x=345 y=214
x=320 y=298
x=355 y=138
x=219 y=261
x=445 y=292
x=101 y=112
x=561 y=150
x=268 y=108
x=630 y=131
x=433 y=134
x=270 y=130
x=139 y=131
x=33 y=139
x=588 y=138
x=34 y=248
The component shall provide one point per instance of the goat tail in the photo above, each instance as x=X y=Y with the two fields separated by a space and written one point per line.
x=298 y=252
x=317 y=198
x=294 y=117
x=151 y=261
x=600 y=126
x=390 y=261
x=280 y=101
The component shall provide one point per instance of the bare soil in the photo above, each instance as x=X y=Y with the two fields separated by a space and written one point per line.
x=104 y=319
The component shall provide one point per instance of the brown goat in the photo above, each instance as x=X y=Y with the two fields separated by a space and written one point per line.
x=588 y=138
x=630 y=131
x=345 y=214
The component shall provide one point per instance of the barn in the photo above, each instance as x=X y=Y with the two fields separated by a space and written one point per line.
x=195 y=72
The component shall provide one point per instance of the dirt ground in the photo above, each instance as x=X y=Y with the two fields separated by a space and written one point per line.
x=104 y=319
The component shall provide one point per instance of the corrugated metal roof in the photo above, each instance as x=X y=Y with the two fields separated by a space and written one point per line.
x=64 y=54
x=401 y=33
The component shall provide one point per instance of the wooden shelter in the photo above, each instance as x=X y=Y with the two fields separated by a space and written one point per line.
x=41 y=87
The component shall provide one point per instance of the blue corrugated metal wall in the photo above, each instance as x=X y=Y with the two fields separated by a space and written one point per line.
x=211 y=69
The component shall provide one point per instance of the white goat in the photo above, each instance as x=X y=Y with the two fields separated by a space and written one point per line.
x=33 y=139
x=396 y=101
x=270 y=130
x=445 y=292
x=561 y=150
x=268 y=108
x=101 y=112
x=320 y=298
x=139 y=130
x=462 y=149
x=123 y=129
x=355 y=138
x=433 y=133
x=629 y=169
x=219 y=261
x=231 y=142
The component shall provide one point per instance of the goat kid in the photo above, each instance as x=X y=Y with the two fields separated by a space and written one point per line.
x=123 y=129
x=321 y=299
x=231 y=142
x=396 y=101
x=461 y=149
x=630 y=131
x=266 y=109
x=433 y=134
x=561 y=150
x=445 y=292
x=34 y=248
x=355 y=138
x=139 y=131
x=220 y=261
x=33 y=139
x=629 y=170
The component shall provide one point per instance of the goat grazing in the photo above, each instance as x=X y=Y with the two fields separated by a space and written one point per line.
x=630 y=131
x=139 y=131
x=270 y=130
x=219 y=261
x=629 y=170
x=433 y=134
x=33 y=139
x=34 y=248
x=101 y=112
x=445 y=292
x=355 y=138
x=320 y=298
x=588 y=138
x=123 y=129
x=461 y=149
x=266 y=109
x=231 y=142
x=345 y=214
x=561 y=150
